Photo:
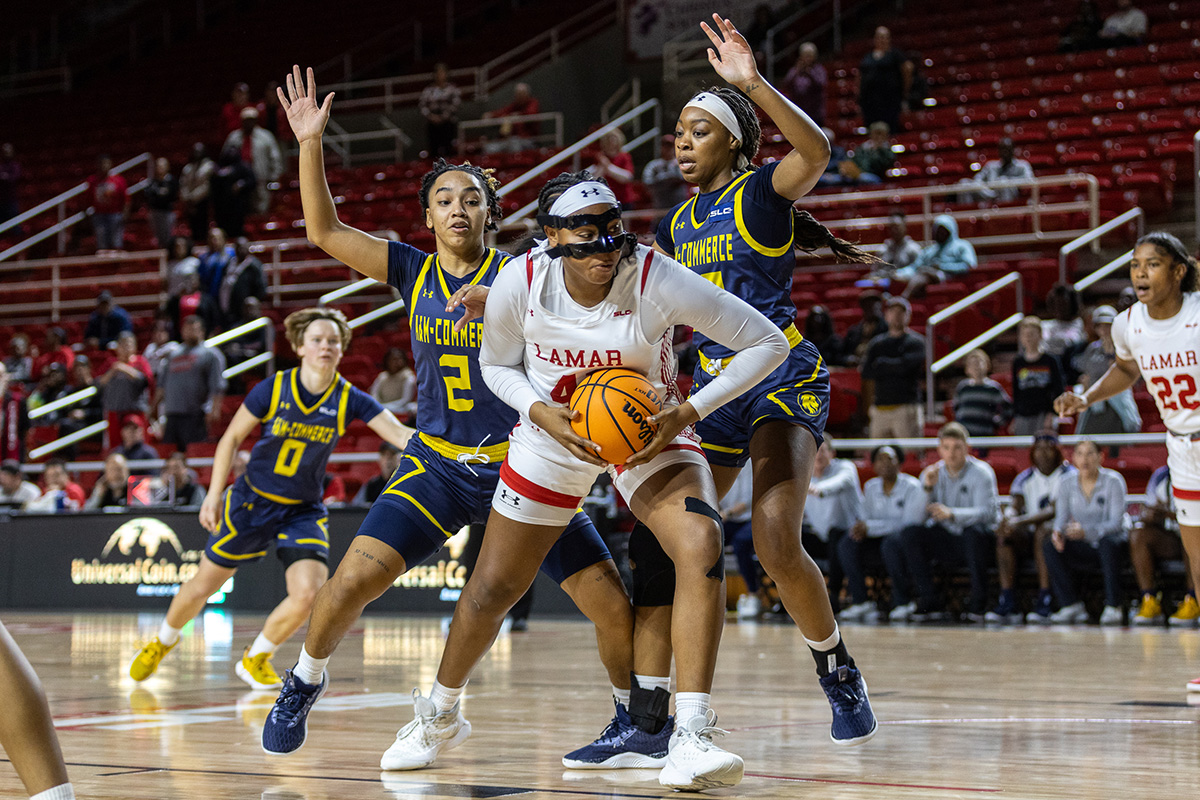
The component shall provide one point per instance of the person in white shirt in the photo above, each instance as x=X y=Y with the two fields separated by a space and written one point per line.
x=396 y=387
x=1125 y=27
x=15 y=491
x=892 y=501
x=834 y=504
x=1005 y=168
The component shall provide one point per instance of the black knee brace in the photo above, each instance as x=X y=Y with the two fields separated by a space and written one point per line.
x=653 y=570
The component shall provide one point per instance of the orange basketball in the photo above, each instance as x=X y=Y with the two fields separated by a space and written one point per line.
x=615 y=407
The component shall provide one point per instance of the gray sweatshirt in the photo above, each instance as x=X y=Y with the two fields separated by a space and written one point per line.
x=886 y=514
x=972 y=495
x=1103 y=514
x=839 y=502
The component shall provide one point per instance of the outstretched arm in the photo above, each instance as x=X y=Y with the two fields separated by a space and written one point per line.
x=390 y=429
x=1119 y=377
x=734 y=61
x=358 y=250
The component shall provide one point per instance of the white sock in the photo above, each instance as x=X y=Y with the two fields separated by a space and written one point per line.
x=262 y=645
x=64 y=791
x=309 y=669
x=651 y=682
x=621 y=696
x=691 y=704
x=167 y=635
x=825 y=645
x=444 y=697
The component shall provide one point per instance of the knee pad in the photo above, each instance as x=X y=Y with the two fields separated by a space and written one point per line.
x=653 y=570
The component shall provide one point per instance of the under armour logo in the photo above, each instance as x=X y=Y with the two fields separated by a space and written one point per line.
x=511 y=499
x=588 y=192
x=427 y=293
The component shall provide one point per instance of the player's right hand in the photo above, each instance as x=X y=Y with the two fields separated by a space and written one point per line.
x=1068 y=404
x=473 y=299
x=556 y=421
x=307 y=119
x=210 y=513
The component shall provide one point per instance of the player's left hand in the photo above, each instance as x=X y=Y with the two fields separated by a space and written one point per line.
x=670 y=421
x=1068 y=404
x=473 y=299
x=733 y=58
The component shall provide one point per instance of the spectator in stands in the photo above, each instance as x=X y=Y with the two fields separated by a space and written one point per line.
x=963 y=510
x=1126 y=299
x=112 y=488
x=389 y=460
x=1119 y=413
x=110 y=205
x=892 y=501
x=133 y=445
x=837 y=154
x=107 y=321
x=1153 y=539
x=1084 y=31
x=51 y=387
x=899 y=249
x=85 y=412
x=734 y=508
x=884 y=80
x=271 y=115
x=177 y=484
x=981 y=404
x=161 y=345
x=231 y=112
x=61 y=493
x=818 y=329
x=834 y=504
x=1090 y=529
x=10 y=177
x=1063 y=333
x=895 y=363
x=1124 y=28
x=125 y=386
x=55 y=348
x=663 y=178
x=161 y=192
x=180 y=263
x=1006 y=167
x=260 y=152
x=256 y=342
x=14 y=419
x=232 y=187
x=949 y=255
x=191 y=301
x=19 y=364
x=518 y=135
x=862 y=333
x=1037 y=380
x=805 y=83
x=615 y=166
x=1024 y=527
x=15 y=491
x=195 y=183
x=871 y=160
x=439 y=105
x=396 y=387
x=191 y=388
x=243 y=278
x=214 y=261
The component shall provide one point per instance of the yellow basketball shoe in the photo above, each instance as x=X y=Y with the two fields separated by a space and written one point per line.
x=1187 y=615
x=148 y=658
x=1150 y=611
x=257 y=671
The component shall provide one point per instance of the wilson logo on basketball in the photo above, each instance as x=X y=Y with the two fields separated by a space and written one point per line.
x=645 y=431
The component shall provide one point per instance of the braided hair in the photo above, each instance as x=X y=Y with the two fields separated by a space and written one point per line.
x=810 y=235
x=1170 y=246
x=485 y=177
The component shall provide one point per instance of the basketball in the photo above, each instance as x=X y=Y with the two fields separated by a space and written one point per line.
x=615 y=407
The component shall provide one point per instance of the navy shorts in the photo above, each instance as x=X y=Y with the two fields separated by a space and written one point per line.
x=251 y=522
x=429 y=498
x=796 y=392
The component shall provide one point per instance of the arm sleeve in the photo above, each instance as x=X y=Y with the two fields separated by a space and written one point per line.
x=502 y=352
x=984 y=499
x=362 y=406
x=680 y=297
x=259 y=399
x=845 y=476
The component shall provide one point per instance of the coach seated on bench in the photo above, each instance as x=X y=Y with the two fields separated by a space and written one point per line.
x=963 y=509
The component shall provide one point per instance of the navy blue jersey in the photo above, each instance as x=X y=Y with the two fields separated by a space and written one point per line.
x=740 y=238
x=456 y=412
x=299 y=432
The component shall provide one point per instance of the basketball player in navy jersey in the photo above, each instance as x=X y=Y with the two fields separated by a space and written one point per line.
x=739 y=232
x=303 y=412
x=449 y=472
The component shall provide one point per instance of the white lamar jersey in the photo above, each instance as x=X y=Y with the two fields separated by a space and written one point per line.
x=1167 y=351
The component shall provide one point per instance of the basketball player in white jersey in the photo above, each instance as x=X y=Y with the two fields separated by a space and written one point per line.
x=1158 y=338
x=592 y=299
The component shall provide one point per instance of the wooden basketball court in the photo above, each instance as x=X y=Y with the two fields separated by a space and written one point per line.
x=964 y=712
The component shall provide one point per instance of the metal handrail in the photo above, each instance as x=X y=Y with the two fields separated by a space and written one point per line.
x=1196 y=178
x=1095 y=234
x=491 y=122
x=617 y=100
x=42 y=80
x=1104 y=271
x=931 y=368
x=62 y=197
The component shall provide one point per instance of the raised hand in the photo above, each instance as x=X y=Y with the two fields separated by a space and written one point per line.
x=306 y=118
x=733 y=58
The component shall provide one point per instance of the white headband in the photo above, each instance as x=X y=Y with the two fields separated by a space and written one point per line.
x=582 y=195
x=716 y=105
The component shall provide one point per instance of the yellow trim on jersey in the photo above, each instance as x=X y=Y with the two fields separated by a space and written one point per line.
x=342 y=403
x=479 y=272
x=420 y=468
x=739 y=179
x=216 y=548
x=451 y=451
x=675 y=218
x=750 y=240
x=721 y=449
x=714 y=366
x=306 y=410
x=321 y=542
x=273 y=497
x=416 y=290
x=276 y=389
x=799 y=385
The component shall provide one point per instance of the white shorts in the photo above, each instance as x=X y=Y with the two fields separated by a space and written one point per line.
x=1183 y=459
x=541 y=483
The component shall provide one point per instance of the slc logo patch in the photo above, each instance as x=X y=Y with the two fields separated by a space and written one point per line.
x=810 y=404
